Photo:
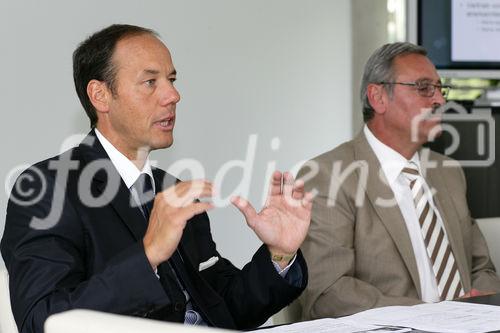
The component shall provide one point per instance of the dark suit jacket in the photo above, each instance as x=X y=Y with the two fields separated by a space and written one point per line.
x=66 y=249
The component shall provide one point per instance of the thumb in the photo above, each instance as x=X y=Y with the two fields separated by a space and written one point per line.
x=246 y=209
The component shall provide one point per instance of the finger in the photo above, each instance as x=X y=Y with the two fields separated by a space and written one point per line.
x=287 y=184
x=298 y=190
x=474 y=292
x=246 y=209
x=195 y=193
x=194 y=209
x=466 y=295
x=183 y=188
x=275 y=186
x=185 y=193
x=307 y=200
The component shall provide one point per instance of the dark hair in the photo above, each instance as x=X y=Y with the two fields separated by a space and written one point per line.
x=379 y=68
x=92 y=60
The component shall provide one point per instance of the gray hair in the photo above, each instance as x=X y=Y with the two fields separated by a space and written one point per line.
x=379 y=68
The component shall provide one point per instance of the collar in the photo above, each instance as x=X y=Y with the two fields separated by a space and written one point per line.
x=127 y=170
x=391 y=161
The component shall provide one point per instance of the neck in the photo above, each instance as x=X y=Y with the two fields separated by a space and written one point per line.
x=137 y=155
x=400 y=142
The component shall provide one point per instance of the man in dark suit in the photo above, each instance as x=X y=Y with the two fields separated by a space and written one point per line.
x=81 y=233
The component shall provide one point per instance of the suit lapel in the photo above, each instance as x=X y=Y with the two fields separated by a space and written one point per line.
x=106 y=178
x=130 y=215
x=162 y=180
x=443 y=201
x=377 y=188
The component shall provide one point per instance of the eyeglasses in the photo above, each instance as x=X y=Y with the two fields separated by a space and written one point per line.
x=424 y=89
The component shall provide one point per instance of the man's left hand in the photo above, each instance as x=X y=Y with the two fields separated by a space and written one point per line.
x=283 y=222
x=475 y=293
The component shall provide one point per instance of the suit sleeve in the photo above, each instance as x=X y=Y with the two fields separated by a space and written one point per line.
x=258 y=291
x=483 y=274
x=47 y=266
x=252 y=294
x=329 y=250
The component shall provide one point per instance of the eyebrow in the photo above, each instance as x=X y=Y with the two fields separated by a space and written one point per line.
x=156 y=72
x=428 y=79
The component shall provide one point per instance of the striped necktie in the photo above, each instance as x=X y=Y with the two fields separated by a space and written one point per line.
x=435 y=239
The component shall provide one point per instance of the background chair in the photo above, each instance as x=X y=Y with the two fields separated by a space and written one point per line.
x=291 y=314
x=7 y=323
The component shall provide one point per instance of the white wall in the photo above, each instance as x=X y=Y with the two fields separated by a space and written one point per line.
x=369 y=32
x=278 y=68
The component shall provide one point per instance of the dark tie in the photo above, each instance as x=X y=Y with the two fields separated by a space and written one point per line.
x=177 y=309
x=145 y=194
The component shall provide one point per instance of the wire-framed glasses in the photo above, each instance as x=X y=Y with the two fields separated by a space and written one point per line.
x=424 y=89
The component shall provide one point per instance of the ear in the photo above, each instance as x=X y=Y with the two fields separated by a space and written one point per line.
x=377 y=96
x=99 y=95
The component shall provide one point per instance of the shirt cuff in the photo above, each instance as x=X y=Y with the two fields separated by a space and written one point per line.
x=284 y=271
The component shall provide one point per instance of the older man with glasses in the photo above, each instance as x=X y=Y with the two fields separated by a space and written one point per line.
x=390 y=223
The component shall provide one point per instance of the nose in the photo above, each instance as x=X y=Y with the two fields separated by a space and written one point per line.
x=169 y=94
x=438 y=97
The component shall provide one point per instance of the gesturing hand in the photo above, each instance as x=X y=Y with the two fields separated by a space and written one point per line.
x=172 y=208
x=283 y=222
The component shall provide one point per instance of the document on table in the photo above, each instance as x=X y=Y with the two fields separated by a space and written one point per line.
x=332 y=326
x=445 y=317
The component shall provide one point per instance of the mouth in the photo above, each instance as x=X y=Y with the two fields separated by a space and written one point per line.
x=431 y=114
x=165 y=124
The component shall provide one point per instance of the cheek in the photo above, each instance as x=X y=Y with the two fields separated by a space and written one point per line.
x=416 y=115
x=129 y=120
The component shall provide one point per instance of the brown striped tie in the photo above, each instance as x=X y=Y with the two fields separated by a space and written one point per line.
x=435 y=239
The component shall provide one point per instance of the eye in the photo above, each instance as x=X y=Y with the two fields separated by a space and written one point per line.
x=425 y=87
x=150 y=83
x=172 y=79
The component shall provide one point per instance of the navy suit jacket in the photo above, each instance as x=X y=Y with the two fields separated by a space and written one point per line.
x=73 y=240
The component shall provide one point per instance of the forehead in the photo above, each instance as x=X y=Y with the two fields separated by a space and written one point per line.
x=141 y=52
x=413 y=67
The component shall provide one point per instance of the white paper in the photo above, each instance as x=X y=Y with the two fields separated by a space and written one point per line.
x=452 y=317
x=330 y=326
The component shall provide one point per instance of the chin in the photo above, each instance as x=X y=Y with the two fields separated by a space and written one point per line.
x=161 y=141
x=162 y=145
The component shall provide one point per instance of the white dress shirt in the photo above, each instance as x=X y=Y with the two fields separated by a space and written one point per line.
x=128 y=171
x=392 y=164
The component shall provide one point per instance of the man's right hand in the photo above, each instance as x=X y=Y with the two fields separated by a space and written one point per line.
x=172 y=208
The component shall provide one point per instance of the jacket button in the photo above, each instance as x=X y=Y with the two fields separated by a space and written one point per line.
x=178 y=306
